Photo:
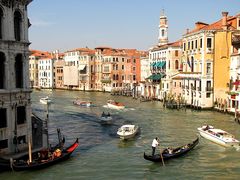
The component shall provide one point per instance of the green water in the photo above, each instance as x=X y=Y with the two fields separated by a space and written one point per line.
x=102 y=155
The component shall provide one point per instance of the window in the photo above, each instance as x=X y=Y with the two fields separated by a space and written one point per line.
x=176 y=53
x=176 y=64
x=1 y=23
x=122 y=67
x=200 y=43
x=188 y=45
x=192 y=45
x=196 y=45
x=3 y=144
x=208 y=68
x=21 y=115
x=184 y=46
x=3 y=115
x=2 y=70
x=192 y=64
x=19 y=71
x=209 y=42
x=17 y=25
x=163 y=33
x=134 y=77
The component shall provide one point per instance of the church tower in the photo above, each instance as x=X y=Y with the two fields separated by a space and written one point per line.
x=163 y=30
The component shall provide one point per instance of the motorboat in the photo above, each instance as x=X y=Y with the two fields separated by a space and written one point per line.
x=83 y=103
x=127 y=131
x=106 y=119
x=45 y=100
x=218 y=136
x=115 y=105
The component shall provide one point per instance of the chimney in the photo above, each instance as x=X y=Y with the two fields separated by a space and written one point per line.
x=224 y=20
x=187 y=31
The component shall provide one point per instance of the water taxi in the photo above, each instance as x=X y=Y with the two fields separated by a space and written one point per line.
x=218 y=136
x=115 y=105
x=127 y=131
x=45 y=100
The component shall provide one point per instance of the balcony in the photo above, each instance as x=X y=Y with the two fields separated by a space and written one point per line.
x=106 y=80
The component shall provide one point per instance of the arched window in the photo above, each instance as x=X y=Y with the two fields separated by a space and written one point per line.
x=2 y=70
x=19 y=71
x=163 y=33
x=17 y=25
x=176 y=64
x=1 y=23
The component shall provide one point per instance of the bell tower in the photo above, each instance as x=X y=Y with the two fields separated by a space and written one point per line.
x=163 y=30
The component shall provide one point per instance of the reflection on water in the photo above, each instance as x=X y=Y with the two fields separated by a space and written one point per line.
x=102 y=155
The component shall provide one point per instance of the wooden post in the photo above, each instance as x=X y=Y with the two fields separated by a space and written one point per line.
x=29 y=150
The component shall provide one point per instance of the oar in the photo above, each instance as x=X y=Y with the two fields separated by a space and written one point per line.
x=161 y=155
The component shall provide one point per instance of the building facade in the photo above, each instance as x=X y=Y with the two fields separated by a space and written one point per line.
x=15 y=100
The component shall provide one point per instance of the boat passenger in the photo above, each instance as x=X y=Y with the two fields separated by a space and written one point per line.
x=57 y=153
x=108 y=114
x=103 y=114
x=155 y=143
x=170 y=150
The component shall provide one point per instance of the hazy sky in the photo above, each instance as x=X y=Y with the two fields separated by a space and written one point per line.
x=69 y=24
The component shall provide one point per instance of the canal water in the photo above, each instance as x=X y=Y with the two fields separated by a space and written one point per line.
x=102 y=155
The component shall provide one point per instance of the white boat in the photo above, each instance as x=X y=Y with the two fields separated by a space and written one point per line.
x=45 y=100
x=218 y=136
x=115 y=105
x=106 y=119
x=83 y=103
x=127 y=131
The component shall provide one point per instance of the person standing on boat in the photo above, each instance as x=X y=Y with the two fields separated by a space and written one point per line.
x=155 y=143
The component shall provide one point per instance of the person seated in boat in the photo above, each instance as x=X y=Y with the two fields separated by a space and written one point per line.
x=206 y=128
x=170 y=150
x=185 y=147
x=103 y=114
x=108 y=114
x=57 y=153
x=155 y=143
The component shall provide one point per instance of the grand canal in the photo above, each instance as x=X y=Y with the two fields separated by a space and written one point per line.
x=102 y=155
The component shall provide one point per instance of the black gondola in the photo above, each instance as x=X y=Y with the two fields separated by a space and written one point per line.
x=22 y=165
x=177 y=152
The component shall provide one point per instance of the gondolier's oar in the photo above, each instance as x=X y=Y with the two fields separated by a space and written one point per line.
x=161 y=155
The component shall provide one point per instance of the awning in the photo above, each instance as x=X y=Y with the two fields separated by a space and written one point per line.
x=81 y=67
x=155 y=76
x=153 y=64
x=160 y=64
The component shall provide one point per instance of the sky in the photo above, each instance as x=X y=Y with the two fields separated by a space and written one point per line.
x=68 y=24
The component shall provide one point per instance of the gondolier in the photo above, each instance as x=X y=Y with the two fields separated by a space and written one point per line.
x=155 y=143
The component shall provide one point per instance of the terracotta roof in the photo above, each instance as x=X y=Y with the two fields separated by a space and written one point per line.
x=214 y=26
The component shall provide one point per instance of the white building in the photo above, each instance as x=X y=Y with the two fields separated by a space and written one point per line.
x=46 y=76
x=15 y=100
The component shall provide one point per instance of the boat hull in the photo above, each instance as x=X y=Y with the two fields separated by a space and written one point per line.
x=127 y=135
x=217 y=140
x=112 y=106
x=177 y=152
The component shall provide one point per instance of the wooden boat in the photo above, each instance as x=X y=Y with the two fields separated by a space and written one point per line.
x=45 y=100
x=127 y=131
x=115 y=105
x=39 y=163
x=218 y=136
x=172 y=153
x=106 y=119
x=83 y=103
x=4 y=165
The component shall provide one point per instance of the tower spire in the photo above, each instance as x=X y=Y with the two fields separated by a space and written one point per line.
x=163 y=29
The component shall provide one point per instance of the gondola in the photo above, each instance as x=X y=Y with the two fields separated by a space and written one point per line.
x=38 y=163
x=172 y=153
x=4 y=165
